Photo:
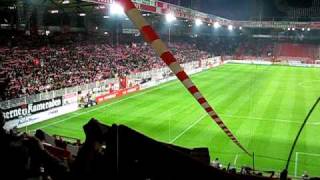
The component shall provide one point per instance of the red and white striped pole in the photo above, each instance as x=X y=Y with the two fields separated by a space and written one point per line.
x=161 y=49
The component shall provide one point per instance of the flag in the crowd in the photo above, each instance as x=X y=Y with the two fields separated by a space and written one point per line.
x=36 y=61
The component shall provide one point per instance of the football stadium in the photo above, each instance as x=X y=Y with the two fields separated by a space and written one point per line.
x=148 y=89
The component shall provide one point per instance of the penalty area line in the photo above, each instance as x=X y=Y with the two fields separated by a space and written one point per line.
x=268 y=119
x=188 y=128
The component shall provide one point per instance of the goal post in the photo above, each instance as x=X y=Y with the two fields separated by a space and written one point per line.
x=309 y=163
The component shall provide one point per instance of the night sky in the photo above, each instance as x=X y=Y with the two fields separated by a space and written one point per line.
x=241 y=9
x=237 y=9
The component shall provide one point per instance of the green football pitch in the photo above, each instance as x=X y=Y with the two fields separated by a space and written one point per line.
x=264 y=106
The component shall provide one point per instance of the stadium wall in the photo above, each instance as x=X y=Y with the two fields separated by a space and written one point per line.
x=29 y=119
x=295 y=63
x=56 y=103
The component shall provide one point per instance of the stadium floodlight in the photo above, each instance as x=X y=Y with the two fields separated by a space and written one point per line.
x=82 y=14
x=293 y=29
x=54 y=11
x=170 y=17
x=216 y=25
x=230 y=27
x=308 y=29
x=116 y=9
x=302 y=29
x=198 y=22
x=65 y=2
x=240 y=27
x=289 y=29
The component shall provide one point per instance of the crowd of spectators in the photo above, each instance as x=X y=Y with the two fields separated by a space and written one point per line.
x=34 y=66
x=31 y=70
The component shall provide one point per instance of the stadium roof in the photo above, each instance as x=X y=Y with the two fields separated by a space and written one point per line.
x=159 y=7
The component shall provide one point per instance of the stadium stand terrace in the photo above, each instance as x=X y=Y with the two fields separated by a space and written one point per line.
x=55 y=45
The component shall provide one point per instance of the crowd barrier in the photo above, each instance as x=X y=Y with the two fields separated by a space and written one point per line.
x=40 y=107
x=56 y=103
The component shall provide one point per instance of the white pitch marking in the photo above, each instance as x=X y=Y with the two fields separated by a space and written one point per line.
x=235 y=160
x=86 y=112
x=268 y=119
x=193 y=124
x=95 y=109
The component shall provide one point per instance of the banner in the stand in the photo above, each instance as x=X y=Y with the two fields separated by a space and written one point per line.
x=31 y=108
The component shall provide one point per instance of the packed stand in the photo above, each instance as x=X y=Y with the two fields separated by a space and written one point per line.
x=31 y=70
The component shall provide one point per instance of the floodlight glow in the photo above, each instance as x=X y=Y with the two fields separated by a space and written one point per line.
x=82 y=14
x=230 y=27
x=170 y=17
x=65 y=2
x=303 y=29
x=198 y=22
x=216 y=25
x=293 y=29
x=289 y=29
x=106 y=17
x=308 y=29
x=240 y=28
x=54 y=11
x=116 y=9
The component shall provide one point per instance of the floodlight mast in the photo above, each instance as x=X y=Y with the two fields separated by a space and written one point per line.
x=170 y=17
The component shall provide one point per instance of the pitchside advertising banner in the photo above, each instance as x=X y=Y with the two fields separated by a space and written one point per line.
x=32 y=108
x=28 y=114
x=105 y=97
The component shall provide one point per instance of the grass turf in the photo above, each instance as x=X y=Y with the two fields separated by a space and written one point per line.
x=263 y=106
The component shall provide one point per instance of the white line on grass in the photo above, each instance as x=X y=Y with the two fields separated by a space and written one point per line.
x=235 y=160
x=193 y=124
x=139 y=94
x=103 y=106
x=268 y=119
x=297 y=159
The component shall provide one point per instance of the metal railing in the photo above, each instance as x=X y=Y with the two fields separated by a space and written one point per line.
x=87 y=87
x=55 y=93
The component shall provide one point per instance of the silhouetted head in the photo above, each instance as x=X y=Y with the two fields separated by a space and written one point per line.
x=2 y=121
x=40 y=135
